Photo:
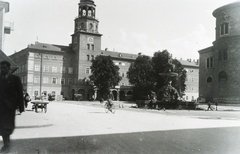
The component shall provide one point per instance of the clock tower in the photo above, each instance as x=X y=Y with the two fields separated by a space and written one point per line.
x=86 y=35
x=86 y=40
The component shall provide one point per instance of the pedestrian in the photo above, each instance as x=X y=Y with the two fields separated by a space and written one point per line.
x=26 y=98
x=216 y=104
x=209 y=106
x=11 y=98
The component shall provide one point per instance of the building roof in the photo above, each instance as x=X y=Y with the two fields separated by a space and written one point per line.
x=50 y=47
x=228 y=6
x=189 y=63
x=4 y=57
x=119 y=55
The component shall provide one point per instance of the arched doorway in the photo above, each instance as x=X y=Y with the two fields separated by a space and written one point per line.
x=72 y=94
x=122 y=95
x=115 y=94
x=82 y=91
x=90 y=95
x=129 y=95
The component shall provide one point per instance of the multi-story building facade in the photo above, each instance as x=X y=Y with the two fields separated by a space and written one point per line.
x=219 y=64
x=64 y=70
x=192 y=79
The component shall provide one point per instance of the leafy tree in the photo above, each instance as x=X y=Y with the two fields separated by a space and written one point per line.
x=179 y=81
x=105 y=74
x=168 y=69
x=140 y=75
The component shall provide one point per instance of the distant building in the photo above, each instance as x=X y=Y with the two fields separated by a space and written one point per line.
x=64 y=70
x=219 y=64
x=192 y=79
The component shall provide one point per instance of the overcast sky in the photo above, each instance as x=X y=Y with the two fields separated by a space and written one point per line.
x=181 y=26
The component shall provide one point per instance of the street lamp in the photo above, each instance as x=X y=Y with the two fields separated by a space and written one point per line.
x=41 y=61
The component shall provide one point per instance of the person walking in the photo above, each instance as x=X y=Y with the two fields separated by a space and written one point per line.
x=26 y=98
x=11 y=98
x=209 y=106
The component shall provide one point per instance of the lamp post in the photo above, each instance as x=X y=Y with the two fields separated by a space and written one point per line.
x=40 y=75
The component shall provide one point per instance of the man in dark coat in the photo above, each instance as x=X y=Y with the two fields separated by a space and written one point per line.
x=11 y=98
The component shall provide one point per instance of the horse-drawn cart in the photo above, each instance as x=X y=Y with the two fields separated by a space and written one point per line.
x=39 y=104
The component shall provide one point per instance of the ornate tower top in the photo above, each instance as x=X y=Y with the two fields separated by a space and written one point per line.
x=86 y=1
x=227 y=20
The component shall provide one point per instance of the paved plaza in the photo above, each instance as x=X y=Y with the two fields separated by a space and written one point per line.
x=84 y=127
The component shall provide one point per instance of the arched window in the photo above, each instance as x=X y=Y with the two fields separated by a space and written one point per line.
x=222 y=75
x=209 y=79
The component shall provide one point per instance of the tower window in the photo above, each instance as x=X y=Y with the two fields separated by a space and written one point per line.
x=84 y=13
x=89 y=13
x=209 y=79
x=210 y=62
x=87 y=70
x=92 y=46
x=222 y=75
x=88 y=57
x=224 y=29
x=88 y=46
x=223 y=55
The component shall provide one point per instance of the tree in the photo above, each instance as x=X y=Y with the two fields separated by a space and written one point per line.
x=168 y=69
x=105 y=74
x=179 y=81
x=162 y=67
x=140 y=75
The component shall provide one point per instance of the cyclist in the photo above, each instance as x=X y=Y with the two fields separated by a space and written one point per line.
x=109 y=102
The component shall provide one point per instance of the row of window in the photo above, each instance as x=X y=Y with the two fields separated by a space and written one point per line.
x=210 y=62
x=22 y=68
x=191 y=71
x=36 y=93
x=191 y=88
x=224 y=29
x=90 y=57
x=221 y=76
x=222 y=56
x=54 y=69
x=120 y=63
x=90 y=46
x=190 y=79
x=52 y=57
x=53 y=80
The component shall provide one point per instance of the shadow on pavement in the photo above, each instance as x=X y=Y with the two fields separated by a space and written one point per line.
x=34 y=126
x=208 y=140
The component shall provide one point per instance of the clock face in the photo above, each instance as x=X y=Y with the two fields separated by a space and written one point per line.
x=90 y=40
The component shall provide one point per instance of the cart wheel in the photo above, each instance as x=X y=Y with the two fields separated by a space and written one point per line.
x=45 y=107
x=106 y=108
x=113 y=109
x=36 y=108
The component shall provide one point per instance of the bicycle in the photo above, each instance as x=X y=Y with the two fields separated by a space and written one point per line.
x=109 y=107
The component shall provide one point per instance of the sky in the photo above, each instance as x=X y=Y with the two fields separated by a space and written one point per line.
x=183 y=27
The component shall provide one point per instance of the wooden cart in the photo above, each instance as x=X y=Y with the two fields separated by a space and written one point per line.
x=39 y=104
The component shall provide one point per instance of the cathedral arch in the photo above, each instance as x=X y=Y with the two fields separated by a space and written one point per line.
x=209 y=79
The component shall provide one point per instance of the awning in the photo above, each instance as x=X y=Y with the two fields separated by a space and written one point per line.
x=4 y=57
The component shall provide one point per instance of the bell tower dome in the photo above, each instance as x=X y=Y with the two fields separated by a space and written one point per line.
x=86 y=20
x=86 y=27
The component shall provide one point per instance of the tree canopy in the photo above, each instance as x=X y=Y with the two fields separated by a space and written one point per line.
x=146 y=74
x=105 y=74
x=168 y=69
x=140 y=75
